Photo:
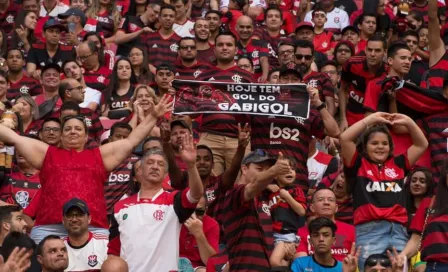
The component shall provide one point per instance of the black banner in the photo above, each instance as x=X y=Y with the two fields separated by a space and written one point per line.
x=285 y=100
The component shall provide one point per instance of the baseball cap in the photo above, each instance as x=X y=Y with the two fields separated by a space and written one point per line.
x=350 y=27
x=75 y=202
x=304 y=24
x=165 y=66
x=74 y=12
x=51 y=65
x=258 y=156
x=284 y=70
x=54 y=23
x=179 y=122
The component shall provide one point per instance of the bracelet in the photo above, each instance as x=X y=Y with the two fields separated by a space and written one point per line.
x=321 y=106
x=367 y=126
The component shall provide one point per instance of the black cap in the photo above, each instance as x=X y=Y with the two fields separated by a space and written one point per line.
x=258 y=156
x=304 y=25
x=53 y=22
x=165 y=66
x=74 y=12
x=350 y=27
x=179 y=122
x=284 y=70
x=51 y=65
x=75 y=202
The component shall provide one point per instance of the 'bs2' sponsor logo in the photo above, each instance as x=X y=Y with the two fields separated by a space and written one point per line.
x=285 y=133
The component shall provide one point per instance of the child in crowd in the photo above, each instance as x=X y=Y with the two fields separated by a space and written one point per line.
x=323 y=40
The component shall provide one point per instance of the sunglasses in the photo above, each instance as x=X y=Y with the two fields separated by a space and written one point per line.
x=306 y=57
x=385 y=262
x=199 y=212
x=77 y=117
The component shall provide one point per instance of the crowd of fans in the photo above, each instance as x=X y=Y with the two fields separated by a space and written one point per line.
x=98 y=174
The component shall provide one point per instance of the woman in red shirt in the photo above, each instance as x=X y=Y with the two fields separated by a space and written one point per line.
x=73 y=171
x=376 y=179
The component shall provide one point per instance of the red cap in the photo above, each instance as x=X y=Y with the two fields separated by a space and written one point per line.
x=304 y=24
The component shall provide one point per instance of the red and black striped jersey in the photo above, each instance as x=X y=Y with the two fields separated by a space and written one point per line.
x=160 y=49
x=435 y=128
x=285 y=220
x=97 y=80
x=356 y=76
x=117 y=184
x=378 y=189
x=8 y=17
x=199 y=12
x=21 y=188
x=424 y=9
x=345 y=211
x=193 y=72
x=289 y=136
x=323 y=42
x=130 y=24
x=254 y=50
x=26 y=85
x=223 y=124
x=207 y=56
x=272 y=44
x=118 y=102
x=248 y=230
x=105 y=23
x=322 y=82
x=434 y=77
x=38 y=55
x=435 y=238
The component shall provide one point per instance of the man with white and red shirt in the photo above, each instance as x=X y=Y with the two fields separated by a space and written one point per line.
x=182 y=25
x=86 y=251
x=52 y=8
x=18 y=82
x=320 y=165
x=147 y=229
x=323 y=204
x=337 y=19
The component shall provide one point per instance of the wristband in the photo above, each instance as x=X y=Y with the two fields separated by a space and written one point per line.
x=321 y=106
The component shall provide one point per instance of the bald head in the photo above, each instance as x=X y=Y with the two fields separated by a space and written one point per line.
x=71 y=90
x=114 y=264
x=245 y=27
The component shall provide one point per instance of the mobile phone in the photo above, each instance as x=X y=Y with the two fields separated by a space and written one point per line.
x=71 y=27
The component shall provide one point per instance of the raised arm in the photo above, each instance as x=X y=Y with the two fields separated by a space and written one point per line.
x=263 y=179
x=188 y=153
x=114 y=153
x=229 y=176
x=419 y=142
x=330 y=125
x=32 y=150
x=435 y=43
x=350 y=136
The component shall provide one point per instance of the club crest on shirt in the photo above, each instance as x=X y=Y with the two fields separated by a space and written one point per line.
x=100 y=79
x=22 y=198
x=133 y=27
x=336 y=20
x=390 y=172
x=10 y=19
x=236 y=78
x=158 y=215
x=24 y=89
x=92 y=260
x=174 y=47
x=255 y=54
x=197 y=73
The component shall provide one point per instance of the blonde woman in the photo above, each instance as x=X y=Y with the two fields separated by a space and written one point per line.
x=108 y=17
x=141 y=105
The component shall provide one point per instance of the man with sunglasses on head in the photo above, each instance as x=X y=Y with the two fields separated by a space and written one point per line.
x=199 y=238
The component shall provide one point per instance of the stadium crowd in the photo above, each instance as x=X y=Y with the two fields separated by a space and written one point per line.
x=100 y=172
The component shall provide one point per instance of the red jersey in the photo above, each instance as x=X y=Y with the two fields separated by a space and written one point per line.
x=272 y=44
x=66 y=174
x=99 y=79
x=322 y=82
x=188 y=247
x=378 y=190
x=323 y=42
x=161 y=49
x=254 y=50
x=122 y=6
x=105 y=24
x=289 y=21
x=345 y=237
x=21 y=188
x=192 y=72
x=434 y=78
x=7 y=19
x=25 y=85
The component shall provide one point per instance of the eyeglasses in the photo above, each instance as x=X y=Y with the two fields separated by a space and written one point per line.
x=79 y=88
x=83 y=58
x=191 y=47
x=374 y=261
x=51 y=129
x=306 y=57
x=77 y=117
x=286 y=52
x=199 y=212
x=72 y=216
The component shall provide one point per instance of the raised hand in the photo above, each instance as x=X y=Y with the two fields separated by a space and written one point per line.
x=313 y=93
x=165 y=105
x=165 y=131
x=281 y=167
x=273 y=188
x=187 y=150
x=243 y=135
x=194 y=225
x=400 y=119
x=350 y=263
x=18 y=261
x=379 y=118
x=396 y=260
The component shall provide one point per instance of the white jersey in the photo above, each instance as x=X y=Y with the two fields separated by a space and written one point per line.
x=90 y=96
x=317 y=165
x=149 y=230
x=90 y=257
x=252 y=3
x=337 y=19
x=58 y=9
x=185 y=29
